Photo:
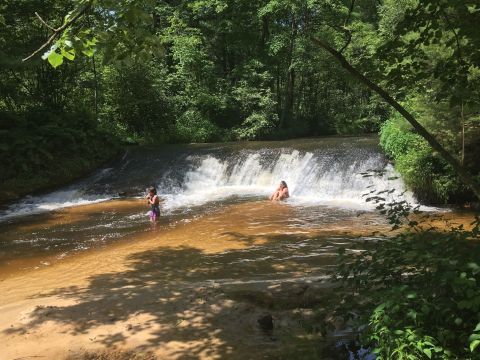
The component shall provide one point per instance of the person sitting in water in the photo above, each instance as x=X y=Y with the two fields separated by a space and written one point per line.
x=154 y=203
x=281 y=193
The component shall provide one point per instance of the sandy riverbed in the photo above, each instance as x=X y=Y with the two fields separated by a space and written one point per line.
x=192 y=291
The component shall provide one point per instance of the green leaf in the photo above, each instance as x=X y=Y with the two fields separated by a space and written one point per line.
x=472 y=9
x=55 y=59
x=70 y=54
x=380 y=307
x=474 y=344
x=88 y=51
x=474 y=337
x=428 y=352
x=411 y=295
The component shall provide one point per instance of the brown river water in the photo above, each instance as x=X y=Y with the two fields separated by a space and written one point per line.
x=46 y=239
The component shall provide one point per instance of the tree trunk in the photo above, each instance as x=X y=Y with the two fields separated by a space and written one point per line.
x=289 y=93
x=463 y=135
x=95 y=87
x=265 y=30
x=461 y=171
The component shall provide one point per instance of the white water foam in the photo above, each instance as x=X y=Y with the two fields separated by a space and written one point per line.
x=312 y=179
x=67 y=197
x=53 y=201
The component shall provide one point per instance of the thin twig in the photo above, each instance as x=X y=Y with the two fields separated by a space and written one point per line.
x=350 y=10
x=44 y=22
x=349 y=39
x=347 y=32
x=60 y=30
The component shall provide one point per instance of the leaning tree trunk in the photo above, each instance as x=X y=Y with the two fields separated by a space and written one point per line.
x=466 y=178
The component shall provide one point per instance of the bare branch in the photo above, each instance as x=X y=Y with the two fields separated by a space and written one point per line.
x=346 y=31
x=455 y=34
x=48 y=42
x=58 y=32
x=347 y=42
x=44 y=22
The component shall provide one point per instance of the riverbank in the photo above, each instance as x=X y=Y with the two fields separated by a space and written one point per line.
x=64 y=173
x=44 y=150
x=424 y=171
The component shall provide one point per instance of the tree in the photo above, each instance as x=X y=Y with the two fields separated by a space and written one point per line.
x=209 y=55
x=427 y=17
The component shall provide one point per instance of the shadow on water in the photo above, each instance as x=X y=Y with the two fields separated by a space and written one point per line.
x=30 y=241
x=195 y=304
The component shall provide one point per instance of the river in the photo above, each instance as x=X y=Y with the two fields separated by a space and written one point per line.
x=324 y=178
x=216 y=230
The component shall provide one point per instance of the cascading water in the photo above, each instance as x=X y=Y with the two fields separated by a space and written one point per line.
x=318 y=171
x=313 y=177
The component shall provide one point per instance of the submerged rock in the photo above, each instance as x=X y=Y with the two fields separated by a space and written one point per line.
x=266 y=323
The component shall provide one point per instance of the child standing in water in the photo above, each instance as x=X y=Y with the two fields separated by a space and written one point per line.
x=154 y=202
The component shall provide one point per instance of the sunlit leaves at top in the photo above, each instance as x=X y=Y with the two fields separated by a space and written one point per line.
x=439 y=39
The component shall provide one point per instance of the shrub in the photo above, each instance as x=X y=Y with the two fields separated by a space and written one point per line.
x=414 y=295
x=423 y=171
x=192 y=126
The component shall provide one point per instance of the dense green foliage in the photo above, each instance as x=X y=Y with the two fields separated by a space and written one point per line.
x=44 y=149
x=218 y=70
x=427 y=174
x=48 y=131
x=431 y=62
x=419 y=294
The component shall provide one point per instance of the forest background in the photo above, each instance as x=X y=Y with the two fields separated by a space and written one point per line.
x=182 y=71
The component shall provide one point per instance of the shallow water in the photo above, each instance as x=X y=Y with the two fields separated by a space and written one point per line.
x=324 y=171
x=41 y=240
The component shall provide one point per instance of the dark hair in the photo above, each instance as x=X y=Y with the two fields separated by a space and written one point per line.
x=283 y=183
x=152 y=190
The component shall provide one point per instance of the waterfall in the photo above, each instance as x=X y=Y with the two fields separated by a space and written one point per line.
x=318 y=172
x=313 y=178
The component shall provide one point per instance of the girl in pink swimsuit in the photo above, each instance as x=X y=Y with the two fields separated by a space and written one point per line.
x=154 y=202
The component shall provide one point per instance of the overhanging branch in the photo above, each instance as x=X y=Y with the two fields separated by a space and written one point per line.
x=461 y=171
x=58 y=31
x=348 y=32
x=44 y=22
